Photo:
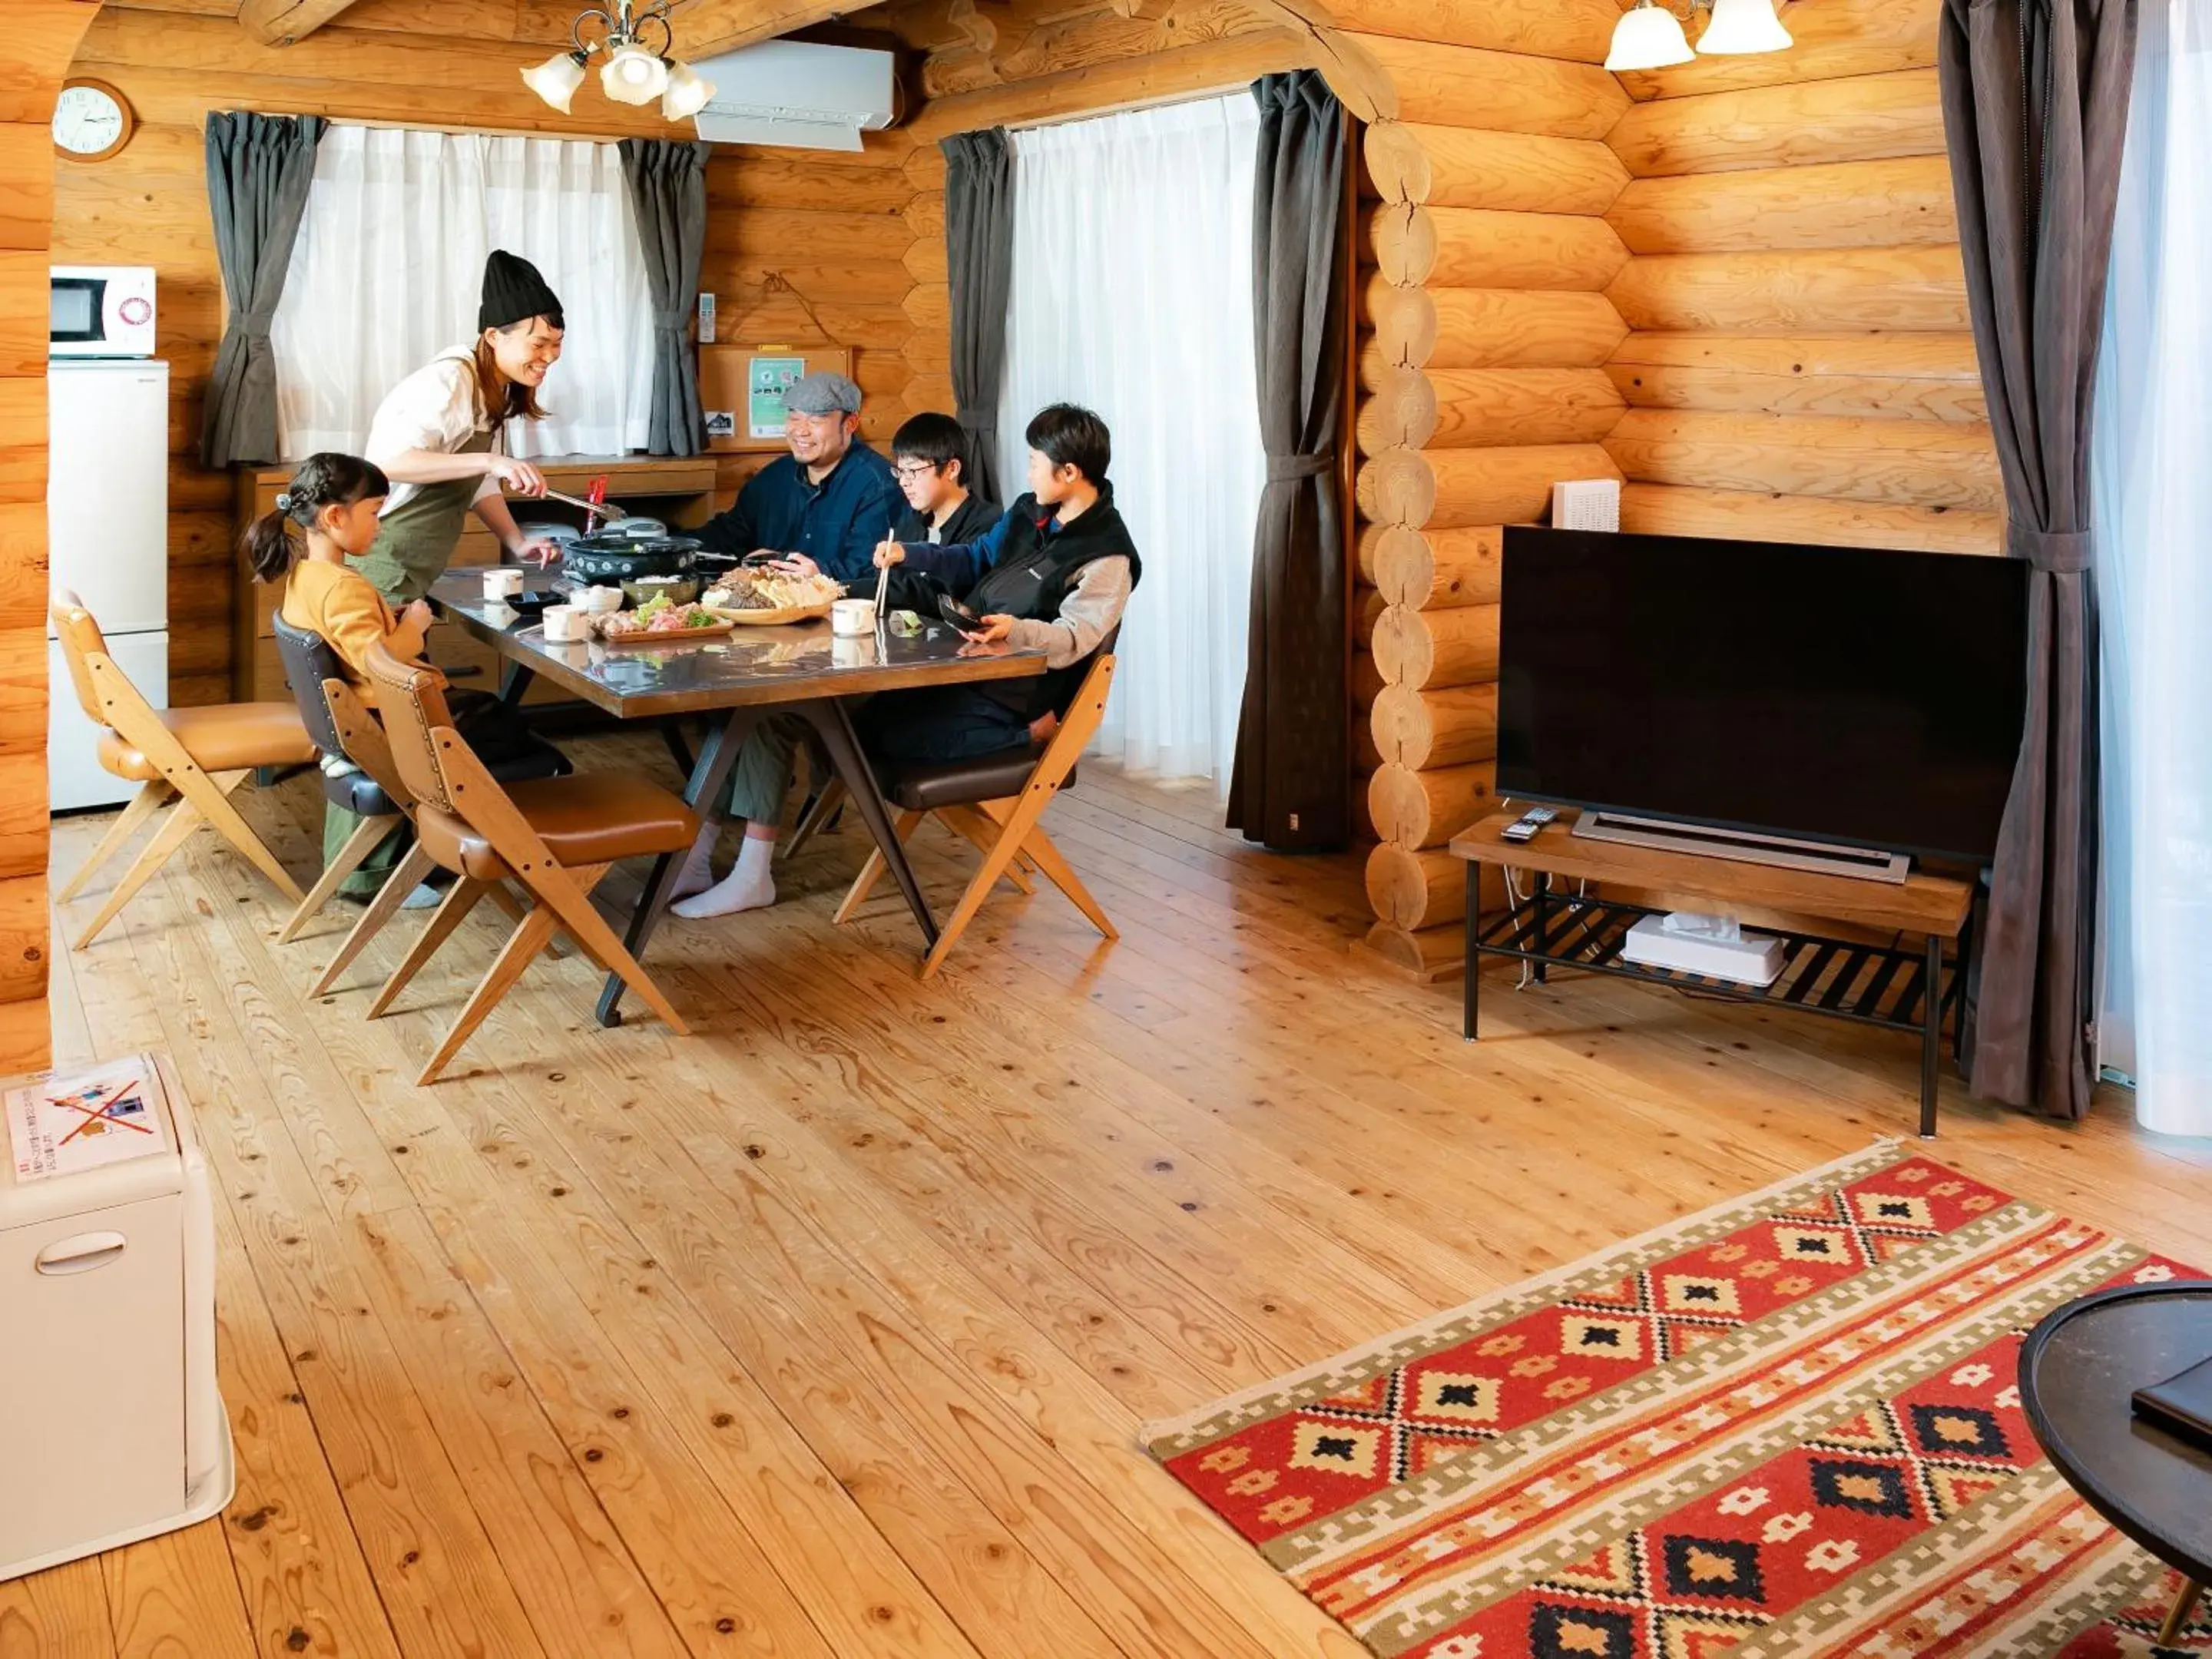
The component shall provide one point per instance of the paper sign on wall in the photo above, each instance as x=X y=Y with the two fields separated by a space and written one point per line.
x=66 y=1125
x=772 y=377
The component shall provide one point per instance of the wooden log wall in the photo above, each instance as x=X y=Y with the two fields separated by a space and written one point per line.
x=1801 y=365
x=1482 y=373
x=856 y=236
x=42 y=36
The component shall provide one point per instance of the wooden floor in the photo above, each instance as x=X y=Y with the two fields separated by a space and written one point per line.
x=827 y=1332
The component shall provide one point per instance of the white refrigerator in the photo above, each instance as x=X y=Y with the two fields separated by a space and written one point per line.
x=107 y=540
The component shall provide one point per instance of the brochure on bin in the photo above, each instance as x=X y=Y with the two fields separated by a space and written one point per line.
x=70 y=1122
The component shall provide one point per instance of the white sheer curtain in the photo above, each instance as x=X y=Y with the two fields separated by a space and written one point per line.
x=389 y=263
x=1132 y=295
x=2154 y=525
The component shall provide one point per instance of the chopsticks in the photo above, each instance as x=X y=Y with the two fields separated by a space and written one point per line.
x=883 y=580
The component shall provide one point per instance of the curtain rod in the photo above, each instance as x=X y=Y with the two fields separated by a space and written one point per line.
x=1166 y=100
x=470 y=131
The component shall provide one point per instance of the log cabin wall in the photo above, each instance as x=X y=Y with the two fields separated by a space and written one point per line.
x=42 y=39
x=1487 y=328
x=1802 y=366
x=837 y=229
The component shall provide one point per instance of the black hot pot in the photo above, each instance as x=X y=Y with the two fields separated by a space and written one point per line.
x=623 y=552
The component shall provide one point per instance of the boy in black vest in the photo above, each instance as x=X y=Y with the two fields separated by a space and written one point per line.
x=1054 y=575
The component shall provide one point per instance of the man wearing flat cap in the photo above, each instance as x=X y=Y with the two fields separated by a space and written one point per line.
x=824 y=506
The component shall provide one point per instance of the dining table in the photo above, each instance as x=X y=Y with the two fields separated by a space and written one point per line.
x=732 y=681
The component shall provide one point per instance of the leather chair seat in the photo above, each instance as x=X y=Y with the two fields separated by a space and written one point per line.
x=597 y=817
x=234 y=736
x=924 y=786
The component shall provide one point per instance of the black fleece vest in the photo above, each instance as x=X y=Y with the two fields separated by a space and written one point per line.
x=1037 y=567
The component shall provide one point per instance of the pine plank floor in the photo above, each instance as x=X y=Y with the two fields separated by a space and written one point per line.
x=828 y=1331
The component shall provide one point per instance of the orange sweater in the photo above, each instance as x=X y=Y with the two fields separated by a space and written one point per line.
x=340 y=603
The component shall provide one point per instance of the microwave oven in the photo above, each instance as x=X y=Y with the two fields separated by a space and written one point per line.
x=100 y=311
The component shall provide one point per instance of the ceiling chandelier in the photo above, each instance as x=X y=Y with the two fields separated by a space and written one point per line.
x=1650 y=36
x=635 y=73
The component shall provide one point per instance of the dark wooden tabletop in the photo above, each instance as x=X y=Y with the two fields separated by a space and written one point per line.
x=749 y=666
x=2077 y=1370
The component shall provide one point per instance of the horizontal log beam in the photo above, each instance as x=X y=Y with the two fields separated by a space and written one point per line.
x=1413 y=890
x=1475 y=247
x=1904 y=463
x=1421 y=727
x=1830 y=40
x=1828 y=291
x=1888 y=204
x=1497 y=91
x=1420 y=809
x=1424 y=649
x=1668 y=510
x=1861 y=119
x=1432 y=569
x=1579 y=31
x=1454 y=166
x=1490 y=328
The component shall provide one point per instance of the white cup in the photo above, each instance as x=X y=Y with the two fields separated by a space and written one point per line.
x=564 y=624
x=599 y=601
x=501 y=582
x=851 y=616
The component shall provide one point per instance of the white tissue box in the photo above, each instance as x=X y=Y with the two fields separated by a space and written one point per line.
x=1754 y=959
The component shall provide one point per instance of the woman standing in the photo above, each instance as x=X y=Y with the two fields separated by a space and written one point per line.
x=441 y=435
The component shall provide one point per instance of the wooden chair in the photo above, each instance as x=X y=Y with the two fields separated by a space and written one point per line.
x=998 y=802
x=197 y=757
x=341 y=725
x=556 y=836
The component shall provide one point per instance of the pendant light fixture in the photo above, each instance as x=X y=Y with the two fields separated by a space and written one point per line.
x=635 y=72
x=1744 y=26
x=1649 y=35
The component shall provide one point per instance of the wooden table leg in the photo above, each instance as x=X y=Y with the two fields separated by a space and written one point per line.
x=2169 y=1633
x=1474 y=956
x=708 y=795
x=1931 y=1034
x=513 y=680
x=834 y=722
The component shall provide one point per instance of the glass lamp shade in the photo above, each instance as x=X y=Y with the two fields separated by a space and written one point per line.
x=688 y=93
x=634 y=75
x=1743 y=25
x=1650 y=37
x=556 y=79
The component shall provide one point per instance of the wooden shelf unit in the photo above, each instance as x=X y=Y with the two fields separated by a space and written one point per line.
x=1900 y=988
x=679 y=489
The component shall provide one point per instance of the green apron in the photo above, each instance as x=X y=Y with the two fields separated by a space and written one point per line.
x=415 y=540
x=415 y=543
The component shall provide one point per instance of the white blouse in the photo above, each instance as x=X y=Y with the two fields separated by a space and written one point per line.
x=435 y=408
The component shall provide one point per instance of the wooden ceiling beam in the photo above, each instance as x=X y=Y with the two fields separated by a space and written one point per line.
x=280 y=22
x=705 y=28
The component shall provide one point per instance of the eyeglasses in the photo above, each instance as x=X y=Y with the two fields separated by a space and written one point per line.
x=915 y=470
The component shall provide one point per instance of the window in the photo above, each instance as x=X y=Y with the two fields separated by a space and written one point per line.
x=389 y=267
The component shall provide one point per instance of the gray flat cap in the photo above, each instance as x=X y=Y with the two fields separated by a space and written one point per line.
x=823 y=393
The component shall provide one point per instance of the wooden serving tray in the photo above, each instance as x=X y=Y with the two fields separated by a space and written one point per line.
x=663 y=636
x=774 y=618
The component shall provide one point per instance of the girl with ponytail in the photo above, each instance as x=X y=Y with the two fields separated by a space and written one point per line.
x=326 y=516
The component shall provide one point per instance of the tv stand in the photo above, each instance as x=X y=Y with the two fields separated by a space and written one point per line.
x=1745 y=846
x=1903 y=988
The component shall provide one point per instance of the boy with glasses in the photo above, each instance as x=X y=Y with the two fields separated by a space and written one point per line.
x=928 y=455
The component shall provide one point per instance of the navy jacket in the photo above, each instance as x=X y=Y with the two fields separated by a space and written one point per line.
x=836 y=525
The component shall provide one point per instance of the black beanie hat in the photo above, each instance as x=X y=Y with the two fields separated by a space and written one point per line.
x=514 y=292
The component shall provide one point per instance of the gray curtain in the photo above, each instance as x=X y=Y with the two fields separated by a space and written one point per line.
x=2035 y=108
x=667 y=181
x=979 y=252
x=258 y=168
x=1291 y=785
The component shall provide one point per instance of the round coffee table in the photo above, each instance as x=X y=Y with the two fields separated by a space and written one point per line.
x=2077 y=1370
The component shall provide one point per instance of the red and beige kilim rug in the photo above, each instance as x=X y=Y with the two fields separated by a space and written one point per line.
x=1785 y=1428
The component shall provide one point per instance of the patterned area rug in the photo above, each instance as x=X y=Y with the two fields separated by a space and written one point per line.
x=1787 y=1427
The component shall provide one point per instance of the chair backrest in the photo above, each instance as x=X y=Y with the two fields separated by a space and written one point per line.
x=410 y=696
x=363 y=741
x=104 y=691
x=82 y=642
x=1080 y=720
x=308 y=661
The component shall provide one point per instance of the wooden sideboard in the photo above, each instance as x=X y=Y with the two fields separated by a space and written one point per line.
x=678 y=490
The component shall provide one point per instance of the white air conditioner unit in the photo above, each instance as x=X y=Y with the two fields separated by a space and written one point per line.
x=797 y=94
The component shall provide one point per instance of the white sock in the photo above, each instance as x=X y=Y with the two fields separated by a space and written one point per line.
x=751 y=884
x=697 y=874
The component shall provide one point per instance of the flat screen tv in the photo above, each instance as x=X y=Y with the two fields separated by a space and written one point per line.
x=1859 y=696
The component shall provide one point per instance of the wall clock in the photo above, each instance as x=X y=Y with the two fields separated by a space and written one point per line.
x=92 y=120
